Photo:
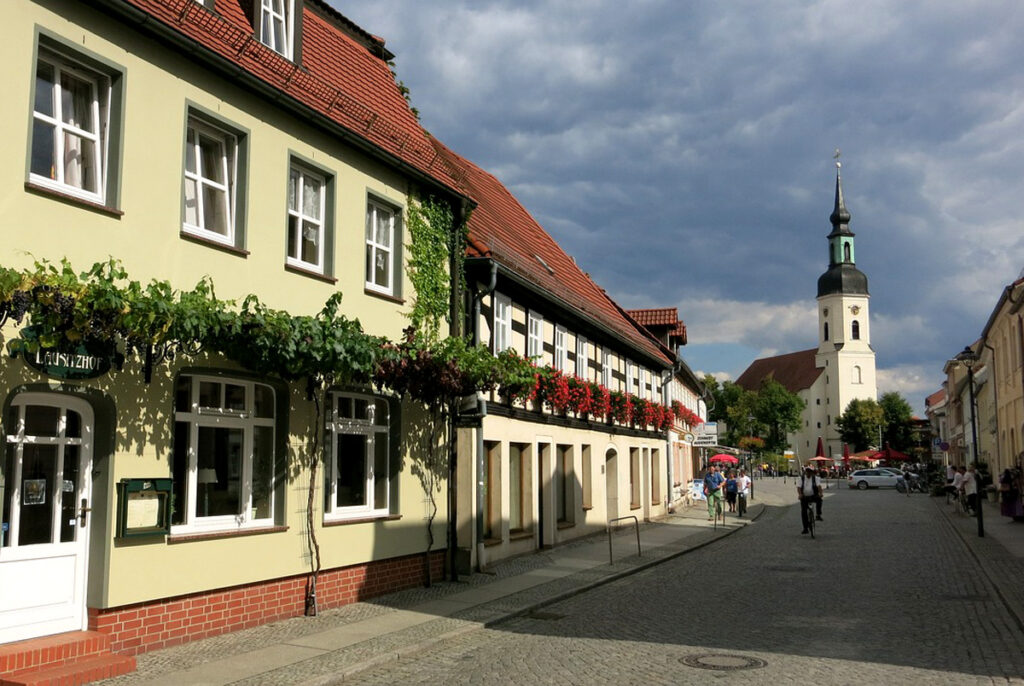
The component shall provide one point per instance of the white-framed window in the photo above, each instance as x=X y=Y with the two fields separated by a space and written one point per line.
x=535 y=337
x=306 y=219
x=646 y=385
x=501 y=325
x=277 y=19
x=210 y=181
x=630 y=376
x=359 y=466
x=223 y=458
x=606 y=368
x=561 y=350
x=70 y=124
x=582 y=358
x=380 y=248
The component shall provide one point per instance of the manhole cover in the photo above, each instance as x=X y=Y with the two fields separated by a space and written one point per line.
x=722 y=662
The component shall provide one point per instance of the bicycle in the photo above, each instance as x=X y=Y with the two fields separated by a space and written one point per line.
x=719 y=511
x=741 y=504
x=808 y=513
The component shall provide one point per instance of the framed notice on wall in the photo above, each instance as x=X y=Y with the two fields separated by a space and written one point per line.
x=143 y=507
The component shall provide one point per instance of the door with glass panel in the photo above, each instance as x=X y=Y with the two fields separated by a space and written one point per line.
x=45 y=491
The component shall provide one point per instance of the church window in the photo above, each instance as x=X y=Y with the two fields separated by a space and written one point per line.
x=857 y=375
x=826 y=331
x=819 y=425
x=828 y=420
x=855 y=332
x=846 y=252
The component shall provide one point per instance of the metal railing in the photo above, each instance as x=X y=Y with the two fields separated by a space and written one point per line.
x=636 y=524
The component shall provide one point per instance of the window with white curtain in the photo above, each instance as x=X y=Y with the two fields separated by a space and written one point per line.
x=535 y=337
x=561 y=351
x=582 y=359
x=380 y=248
x=502 y=323
x=306 y=227
x=277 y=20
x=70 y=121
x=210 y=174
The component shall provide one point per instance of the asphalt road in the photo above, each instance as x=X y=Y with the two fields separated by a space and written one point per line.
x=885 y=594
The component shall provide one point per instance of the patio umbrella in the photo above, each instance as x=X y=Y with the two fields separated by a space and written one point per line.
x=821 y=448
x=722 y=457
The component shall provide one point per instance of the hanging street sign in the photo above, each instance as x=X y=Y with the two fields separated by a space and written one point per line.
x=69 y=362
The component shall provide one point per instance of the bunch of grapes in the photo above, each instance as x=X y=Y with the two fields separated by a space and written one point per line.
x=20 y=300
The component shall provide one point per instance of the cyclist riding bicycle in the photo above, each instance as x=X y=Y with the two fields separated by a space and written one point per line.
x=809 y=492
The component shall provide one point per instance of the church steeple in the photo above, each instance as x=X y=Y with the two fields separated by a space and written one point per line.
x=842 y=275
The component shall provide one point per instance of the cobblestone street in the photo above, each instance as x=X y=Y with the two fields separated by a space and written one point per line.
x=886 y=593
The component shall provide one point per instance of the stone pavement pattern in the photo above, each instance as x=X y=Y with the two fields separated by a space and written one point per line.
x=887 y=593
x=349 y=639
x=914 y=608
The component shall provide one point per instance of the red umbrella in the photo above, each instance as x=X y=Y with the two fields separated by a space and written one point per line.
x=821 y=448
x=722 y=457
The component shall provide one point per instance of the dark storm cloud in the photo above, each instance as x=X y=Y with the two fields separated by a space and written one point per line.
x=688 y=146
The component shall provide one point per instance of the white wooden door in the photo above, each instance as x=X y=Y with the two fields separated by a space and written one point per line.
x=47 y=463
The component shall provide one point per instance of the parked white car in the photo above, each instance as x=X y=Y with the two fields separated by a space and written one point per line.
x=872 y=478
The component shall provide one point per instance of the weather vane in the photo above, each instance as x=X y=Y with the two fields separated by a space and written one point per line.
x=836 y=158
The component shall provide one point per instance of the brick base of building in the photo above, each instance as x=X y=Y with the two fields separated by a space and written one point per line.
x=142 y=627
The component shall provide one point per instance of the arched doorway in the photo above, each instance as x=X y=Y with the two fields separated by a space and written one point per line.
x=46 y=492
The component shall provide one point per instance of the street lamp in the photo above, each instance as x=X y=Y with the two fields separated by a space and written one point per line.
x=969 y=358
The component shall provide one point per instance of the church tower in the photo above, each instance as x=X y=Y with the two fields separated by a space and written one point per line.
x=844 y=352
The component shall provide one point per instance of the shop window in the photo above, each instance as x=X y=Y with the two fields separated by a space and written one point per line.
x=224 y=456
x=360 y=461
x=565 y=485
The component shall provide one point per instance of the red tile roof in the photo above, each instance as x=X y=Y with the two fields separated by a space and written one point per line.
x=339 y=78
x=663 y=316
x=502 y=229
x=795 y=371
x=935 y=398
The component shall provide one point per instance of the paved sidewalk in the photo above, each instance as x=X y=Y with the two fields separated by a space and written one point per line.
x=341 y=642
x=1000 y=553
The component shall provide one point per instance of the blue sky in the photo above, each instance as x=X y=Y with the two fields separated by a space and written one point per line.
x=682 y=153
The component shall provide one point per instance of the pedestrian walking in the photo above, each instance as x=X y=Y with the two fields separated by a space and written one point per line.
x=730 y=491
x=1010 y=504
x=713 y=482
x=970 y=486
x=743 y=488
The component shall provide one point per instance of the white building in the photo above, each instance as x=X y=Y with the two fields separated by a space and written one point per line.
x=842 y=367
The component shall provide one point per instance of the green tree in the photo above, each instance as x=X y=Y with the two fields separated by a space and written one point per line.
x=859 y=424
x=896 y=421
x=778 y=411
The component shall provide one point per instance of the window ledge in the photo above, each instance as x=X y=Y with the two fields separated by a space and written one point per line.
x=362 y=520
x=310 y=273
x=635 y=507
x=73 y=200
x=384 y=296
x=519 y=535
x=491 y=542
x=214 y=244
x=587 y=508
x=566 y=525
x=211 y=535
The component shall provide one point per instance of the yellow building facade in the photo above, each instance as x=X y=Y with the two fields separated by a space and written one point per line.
x=132 y=134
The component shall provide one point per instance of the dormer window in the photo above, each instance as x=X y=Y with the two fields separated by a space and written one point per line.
x=277 y=25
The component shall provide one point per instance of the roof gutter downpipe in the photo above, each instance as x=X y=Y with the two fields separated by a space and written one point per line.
x=481 y=464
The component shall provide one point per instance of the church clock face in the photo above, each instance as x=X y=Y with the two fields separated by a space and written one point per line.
x=855 y=309
x=825 y=312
